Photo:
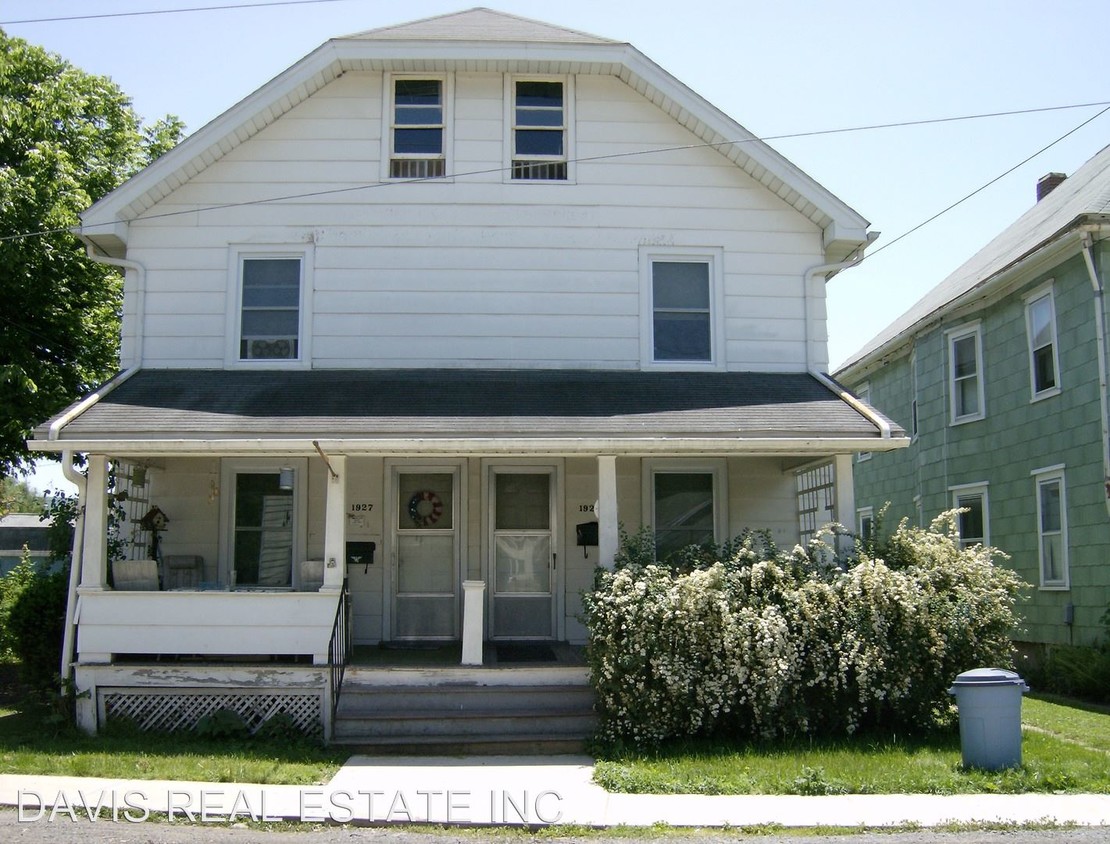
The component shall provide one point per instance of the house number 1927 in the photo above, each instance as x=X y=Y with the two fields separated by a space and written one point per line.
x=361 y=508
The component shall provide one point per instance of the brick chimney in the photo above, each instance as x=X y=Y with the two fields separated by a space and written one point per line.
x=1047 y=183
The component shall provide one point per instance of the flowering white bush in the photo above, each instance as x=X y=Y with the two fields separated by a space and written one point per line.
x=757 y=642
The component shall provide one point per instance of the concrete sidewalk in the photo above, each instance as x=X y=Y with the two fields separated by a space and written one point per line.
x=511 y=790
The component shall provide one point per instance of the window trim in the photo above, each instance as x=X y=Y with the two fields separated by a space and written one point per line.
x=953 y=336
x=509 y=125
x=717 y=467
x=1039 y=294
x=1052 y=474
x=389 y=95
x=238 y=253
x=982 y=490
x=714 y=258
x=229 y=469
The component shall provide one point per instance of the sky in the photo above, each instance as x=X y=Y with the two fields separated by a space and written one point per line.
x=777 y=67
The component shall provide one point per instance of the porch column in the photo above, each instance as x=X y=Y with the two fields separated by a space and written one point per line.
x=607 y=516
x=94 y=558
x=845 y=487
x=335 y=525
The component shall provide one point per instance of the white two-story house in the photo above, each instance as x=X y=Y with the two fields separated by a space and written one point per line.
x=425 y=320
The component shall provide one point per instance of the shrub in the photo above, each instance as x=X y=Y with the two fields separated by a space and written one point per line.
x=749 y=640
x=12 y=585
x=222 y=724
x=1081 y=671
x=36 y=624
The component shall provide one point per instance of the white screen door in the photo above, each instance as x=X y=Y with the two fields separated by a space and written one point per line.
x=426 y=554
x=522 y=551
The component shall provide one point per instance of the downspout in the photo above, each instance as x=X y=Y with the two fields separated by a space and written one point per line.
x=69 y=634
x=140 y=294
x=824 y=270
x=1100 y=343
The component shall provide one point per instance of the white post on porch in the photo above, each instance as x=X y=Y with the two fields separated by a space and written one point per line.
x=335 y=525
x=607 y=516
x=94 y=557
x=845 y=486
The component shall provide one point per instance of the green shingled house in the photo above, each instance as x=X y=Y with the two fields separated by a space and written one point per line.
x=1000 y=375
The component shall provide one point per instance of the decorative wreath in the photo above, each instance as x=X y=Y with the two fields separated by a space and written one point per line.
x=425 y=508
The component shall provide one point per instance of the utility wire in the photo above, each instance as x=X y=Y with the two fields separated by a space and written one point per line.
x=173 y=11
x=629 y=154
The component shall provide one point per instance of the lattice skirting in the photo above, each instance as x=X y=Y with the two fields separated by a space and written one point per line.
x=167 y=710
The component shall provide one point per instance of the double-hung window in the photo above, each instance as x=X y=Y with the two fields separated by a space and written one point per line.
x=865 y=523
x=270 y=307
x=1040 y=321
x=1052 y=527
x=418 y=136
x=686 y=504
x=965 y=369
x=682 y=324
x=974 y=519
x=540 y=127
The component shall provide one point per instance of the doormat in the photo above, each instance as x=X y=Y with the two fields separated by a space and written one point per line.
x=525 y=653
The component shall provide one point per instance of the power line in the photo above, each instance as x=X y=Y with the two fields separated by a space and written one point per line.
x=174 y=11
x=629 y=154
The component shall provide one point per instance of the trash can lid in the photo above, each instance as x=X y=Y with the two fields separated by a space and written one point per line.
x=989 y=677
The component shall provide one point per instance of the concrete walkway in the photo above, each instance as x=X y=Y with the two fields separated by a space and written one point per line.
x=511 y=790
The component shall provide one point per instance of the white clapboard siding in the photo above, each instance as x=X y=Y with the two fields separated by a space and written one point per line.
x=473 y=270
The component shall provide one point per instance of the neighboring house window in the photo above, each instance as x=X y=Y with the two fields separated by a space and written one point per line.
x=540 y=121
x=418 y=140
x=1040 y=320
x=687 y=503
x=266 y=306
x=865 y=523
x=913 y=401
x=965 y=357
x=974 y=520
x=683 y=317
x=919 y=510
x=864 y=393
x=1052 y=527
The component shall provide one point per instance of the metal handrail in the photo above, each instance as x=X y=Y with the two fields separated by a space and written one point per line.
x=339 y=646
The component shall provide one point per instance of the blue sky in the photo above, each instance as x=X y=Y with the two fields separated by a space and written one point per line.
x=782 y=67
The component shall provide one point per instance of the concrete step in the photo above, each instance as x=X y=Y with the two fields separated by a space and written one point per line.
x=469 y=745
x=450 y=698
x=561 y=723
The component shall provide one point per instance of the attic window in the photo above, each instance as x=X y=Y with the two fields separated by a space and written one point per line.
x=418 y=129
x=539 y=130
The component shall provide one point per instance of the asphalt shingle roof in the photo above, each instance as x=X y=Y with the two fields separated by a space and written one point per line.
x=191 y=403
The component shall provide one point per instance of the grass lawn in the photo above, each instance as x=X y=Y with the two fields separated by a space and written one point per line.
x=1065 y=747
x=26 y=748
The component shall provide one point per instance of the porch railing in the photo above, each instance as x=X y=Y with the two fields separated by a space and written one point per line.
x=339 y=646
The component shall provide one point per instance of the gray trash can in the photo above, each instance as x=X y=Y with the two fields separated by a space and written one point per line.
x=989 y=700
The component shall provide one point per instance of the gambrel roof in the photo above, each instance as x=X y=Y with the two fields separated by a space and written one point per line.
x=477 y=40
x=1083 y=197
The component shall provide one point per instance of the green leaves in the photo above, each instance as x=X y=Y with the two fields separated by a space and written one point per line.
x=66 y=139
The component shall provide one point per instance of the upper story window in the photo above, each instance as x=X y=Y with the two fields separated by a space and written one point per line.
x=270 y=318
x=1040 y=321
x=267 y=303
x=540 y=129
x=683 y=314
x=914 y=429
x=965 y=368
x=418 y=119
x=1052 y=527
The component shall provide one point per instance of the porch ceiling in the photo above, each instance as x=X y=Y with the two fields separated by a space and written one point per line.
x=186 y=406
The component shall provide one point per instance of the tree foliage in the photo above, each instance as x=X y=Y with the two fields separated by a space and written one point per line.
x=67 y=138
x=17 y=497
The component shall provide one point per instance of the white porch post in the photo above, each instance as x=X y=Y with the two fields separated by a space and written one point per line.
x=845 y=487
x=473 y=602
x=94 y=559
x=607 y=516
x=335 y=526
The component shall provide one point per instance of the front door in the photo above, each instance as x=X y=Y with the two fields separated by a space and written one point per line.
x=523 y=553
x=425 y=559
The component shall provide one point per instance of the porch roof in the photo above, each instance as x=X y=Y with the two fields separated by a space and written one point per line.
x=194 y=409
